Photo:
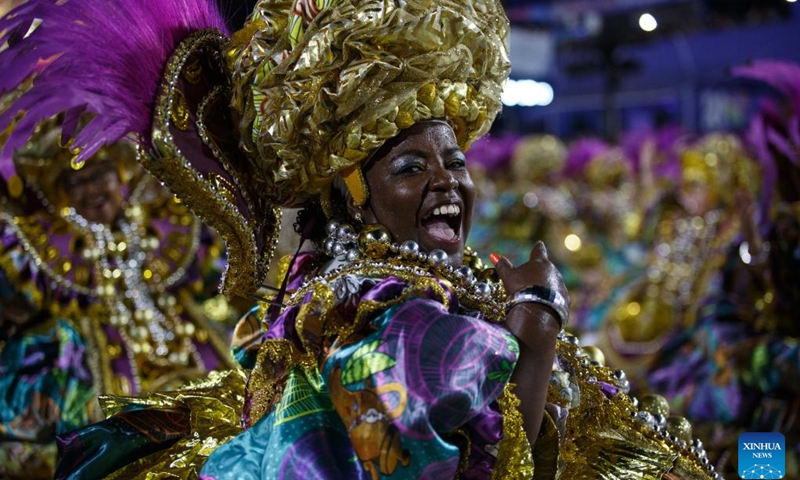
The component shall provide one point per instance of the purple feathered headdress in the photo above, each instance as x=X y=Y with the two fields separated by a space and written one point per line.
x=492 y=152
x=98 y=57
x=774 y=130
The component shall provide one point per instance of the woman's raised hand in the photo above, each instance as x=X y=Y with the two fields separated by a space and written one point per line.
x=536 y=325
x=537 y=271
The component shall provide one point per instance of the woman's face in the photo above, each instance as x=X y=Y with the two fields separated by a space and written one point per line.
x=95 y=192
x=421 y=190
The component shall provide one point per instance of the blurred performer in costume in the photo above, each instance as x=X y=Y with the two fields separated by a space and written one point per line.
x=736 y=369
x=687 y=241
x=395 y=352
x=597 y=246
x=520 y=198
x=101 y=274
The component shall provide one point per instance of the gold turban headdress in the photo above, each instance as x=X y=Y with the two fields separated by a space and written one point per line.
x=321 y=84
x=316 y=86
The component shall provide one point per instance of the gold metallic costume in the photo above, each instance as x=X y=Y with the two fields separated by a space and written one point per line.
x=304 y=94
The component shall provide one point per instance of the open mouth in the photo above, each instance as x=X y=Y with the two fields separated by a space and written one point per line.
x=443 y=224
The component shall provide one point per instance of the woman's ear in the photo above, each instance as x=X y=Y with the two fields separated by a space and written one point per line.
x=355 y=212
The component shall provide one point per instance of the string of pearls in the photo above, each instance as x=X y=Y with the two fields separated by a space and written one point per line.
x=373 y=243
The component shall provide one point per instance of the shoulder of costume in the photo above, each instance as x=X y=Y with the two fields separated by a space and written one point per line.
x=604 y=421
x=47 y=250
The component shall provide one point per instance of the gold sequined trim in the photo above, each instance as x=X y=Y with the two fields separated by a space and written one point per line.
x=514 y=460
x=250 y=243
x=274 y=361
x=604 y=438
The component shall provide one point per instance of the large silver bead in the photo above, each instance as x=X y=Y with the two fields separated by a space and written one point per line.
x=466 y=275
x=344 y=231
x=328 y=246
x=332 y=227
x=352 y=255
x=409 y=248
x=437 y=257
x=625 y=386
x=484 y=290
x=338 y=249
x=646 y=418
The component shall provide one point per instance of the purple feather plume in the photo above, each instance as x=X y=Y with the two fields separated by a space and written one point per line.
x=492 y=152
x=774 y=131
x=581 y=152
x=781 y=75
x=102 y=57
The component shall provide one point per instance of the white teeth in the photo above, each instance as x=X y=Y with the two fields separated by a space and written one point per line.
x=451 y=210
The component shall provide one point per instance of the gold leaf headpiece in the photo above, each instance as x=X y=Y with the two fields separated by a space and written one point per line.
x=538 y=156
x=719 y=162
x=321 y=84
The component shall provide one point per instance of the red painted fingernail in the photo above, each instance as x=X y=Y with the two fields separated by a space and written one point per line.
x=494 y=258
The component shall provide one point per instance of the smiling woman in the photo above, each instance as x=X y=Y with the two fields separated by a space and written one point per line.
x=424 y=191
x=419 y=359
